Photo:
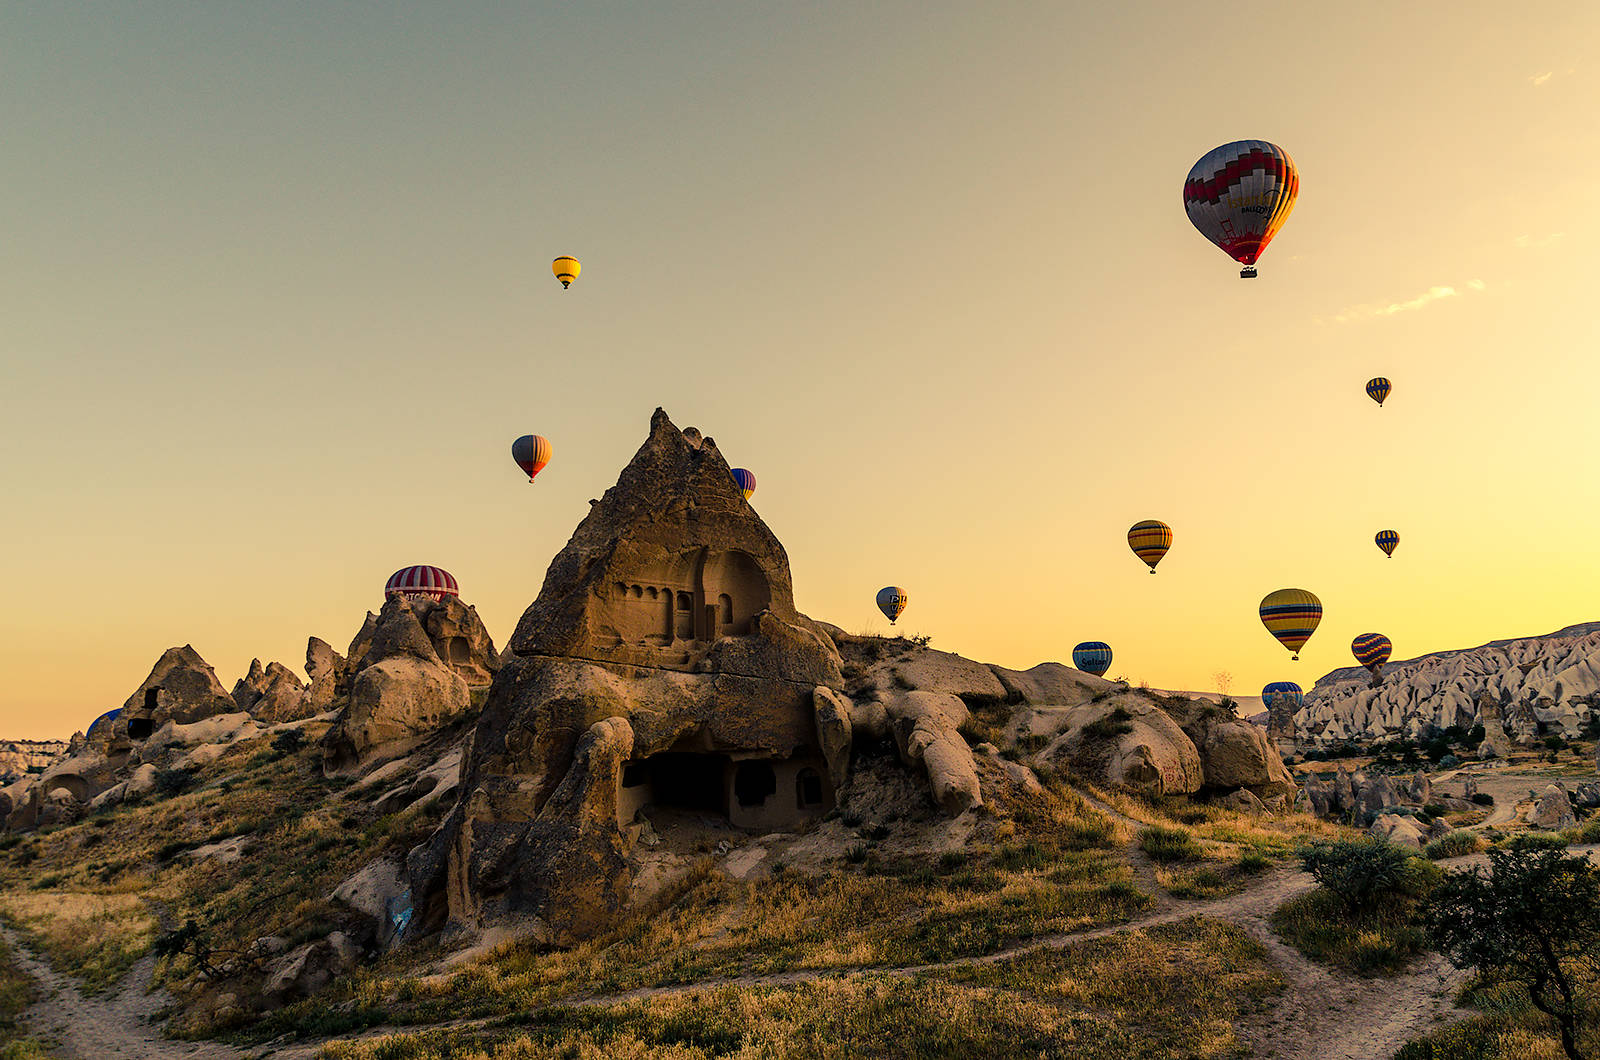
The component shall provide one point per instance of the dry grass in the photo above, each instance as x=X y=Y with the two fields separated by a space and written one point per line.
x=16 y=994
x=97 y=937
x=1510 y=1028
x=1383 y=941
x=1171 y=993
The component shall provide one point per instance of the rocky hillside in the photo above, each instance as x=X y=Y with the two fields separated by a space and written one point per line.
x=1549 y=683
x=21 y=757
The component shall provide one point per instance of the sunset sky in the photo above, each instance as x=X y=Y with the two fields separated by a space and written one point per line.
x=276 y=299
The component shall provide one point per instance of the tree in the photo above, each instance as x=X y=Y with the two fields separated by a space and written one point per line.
x=1223 y=679
x=1534 y=921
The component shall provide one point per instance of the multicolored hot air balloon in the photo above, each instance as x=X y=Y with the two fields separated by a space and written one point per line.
x=1287 y=691
x=1239 y=195
x=532 y=453
x=892 y=601
x=566 y=269
x=421 y=581
x=1092 y=657
x=1291 y=615
x=1150 y=540
x=1372 y=651
x=1378 y=389
x=746 y=481
x=1388 y=540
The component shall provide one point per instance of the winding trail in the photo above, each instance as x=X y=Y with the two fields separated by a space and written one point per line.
x=119 y=1025
x=1322 y=1015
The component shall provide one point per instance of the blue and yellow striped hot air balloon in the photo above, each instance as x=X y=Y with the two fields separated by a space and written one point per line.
x=1291 y=615
x=746 y=481
x=1388 y=540
x=1150 y=540
x=1378 y=389
x=892 y=601
x=1372 y=651
x=1092 y=657
x=1286 y=691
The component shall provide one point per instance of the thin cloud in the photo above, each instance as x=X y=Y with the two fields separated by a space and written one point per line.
x=1535 y=242
x=1436 y=293
x=1539 y=79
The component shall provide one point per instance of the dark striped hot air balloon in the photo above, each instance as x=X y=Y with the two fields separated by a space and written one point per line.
x=1150 y=540
x=421 y=581
x=1372 y=651
x=1378 y=389
x=1291 y=615
x=1239 y=195
x=746 y=481
x=531 y=452
x=566 y=269
x=892 y=601
x=1388 y=540
x=1287 y=691
x=1092 y=657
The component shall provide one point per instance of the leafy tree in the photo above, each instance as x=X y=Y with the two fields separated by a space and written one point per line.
x=1534 y=920
x=1366 y=872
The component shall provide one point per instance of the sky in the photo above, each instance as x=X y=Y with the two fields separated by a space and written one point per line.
x=275 y=298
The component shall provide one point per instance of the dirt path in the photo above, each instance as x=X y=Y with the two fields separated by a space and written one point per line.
x=115 y=1026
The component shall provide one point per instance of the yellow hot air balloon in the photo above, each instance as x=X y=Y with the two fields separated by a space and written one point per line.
x=1150 y=540
x=1291 y=615
x=566 y=269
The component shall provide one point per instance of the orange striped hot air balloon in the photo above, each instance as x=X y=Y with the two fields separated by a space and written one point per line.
x=1150 y=540
x=532 y=453
x=1291 y=615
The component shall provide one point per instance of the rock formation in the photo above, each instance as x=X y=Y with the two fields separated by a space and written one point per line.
x=181 y=687
x=1557 y=675
x=663 y=662
x=1552 y=809
x=18 y=758
x=1496 y=744
x=272 y=694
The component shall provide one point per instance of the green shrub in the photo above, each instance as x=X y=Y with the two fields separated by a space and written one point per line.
x=1117 y=723
x=1483 y=798
x=170 y=782
x=1538 y=841
x=1454 y=845
x=1364 y=873
x=1253 y=862
x=1169 y=844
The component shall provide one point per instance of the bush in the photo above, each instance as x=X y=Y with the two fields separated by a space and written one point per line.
x=1454 y=845
x=1538 y=841
x=1253 y=862
x=1169 y=844
x=1117 y=723
x=1365 y=873
x=288 y=742
x=1434 y=809
x=170 y=782
x=1483 y=798
x=1450 y=762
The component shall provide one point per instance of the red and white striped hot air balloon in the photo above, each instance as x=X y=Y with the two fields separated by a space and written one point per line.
x=1239 y=195
x=421 y=580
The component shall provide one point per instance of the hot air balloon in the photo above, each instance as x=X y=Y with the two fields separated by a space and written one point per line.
x=1092 y=657
x=421 y=581
x=1388 y=540
x=1372 y=651
x=746 y=481
x=1292 y=616
x=1239 y=195
x=1378 y=389
x=566 y=269
x=532 y=453
x=892 y=601
x=1150 y=541
x=1287 y=691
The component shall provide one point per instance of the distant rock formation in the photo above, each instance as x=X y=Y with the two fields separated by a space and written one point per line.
x=1549 y=683
x=1496 y=743
x=18 y=758
x=181 y=688
x=272 y=694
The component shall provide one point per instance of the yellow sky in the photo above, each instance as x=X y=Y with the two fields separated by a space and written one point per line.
x=276 y=301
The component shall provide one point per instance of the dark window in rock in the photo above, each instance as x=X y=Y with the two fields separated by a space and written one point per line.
x=725 y=609
x=457 y=650
x=139 y=728
x=753 y=783
x=150 y=697
x=684 y=627
x=688 y=781
x=808 y=788
x=634 y=774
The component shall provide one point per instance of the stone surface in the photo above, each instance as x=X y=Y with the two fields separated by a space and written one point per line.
x=926 y=729
x=1552 y=810
x=1496 y=743
x=310 y=967
x=181 y=688
x=18 y=758
x=1124 y=742
x=272 y=693
x=1400 y=830
x=1233 y=752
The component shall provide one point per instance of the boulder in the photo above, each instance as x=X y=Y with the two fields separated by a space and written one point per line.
x=1496 y=744
x=1242 y=801
x=1124 y=742
x=834 y=733
x=926 y=729
x=1552 y=810
x=1053 y=684
x=393 y=705
x=1233 y=752
x=1399 y=830
x=309 y=968
x=1378 y=793
x=327 y=670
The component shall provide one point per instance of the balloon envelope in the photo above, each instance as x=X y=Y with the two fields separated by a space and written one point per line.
x=1371 y=650
x=892 y=601
x=1092 y=657
x=421 y=580
x=1284 y=690
x=1291 y=615
x=532 y=453
x=746 y=481
x=566 y=269
x=1388 y=540
x=1378 y=389
x=1239 y=195
x=1150 y=540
